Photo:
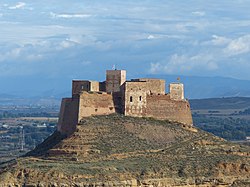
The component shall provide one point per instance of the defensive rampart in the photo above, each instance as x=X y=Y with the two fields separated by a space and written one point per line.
x=95 y=104
x=162 y=107
x=68 y=117
x=86 y=104
x=137 y=97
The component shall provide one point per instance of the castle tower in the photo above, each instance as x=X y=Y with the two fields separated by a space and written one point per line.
x=84 y=85
x=176 y=91
x=114 y=79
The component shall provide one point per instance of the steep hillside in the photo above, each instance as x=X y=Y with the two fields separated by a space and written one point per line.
x=125 y=151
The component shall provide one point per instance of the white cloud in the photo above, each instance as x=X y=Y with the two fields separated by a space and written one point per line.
x=238 y=46
x=155 y=67
x=11 y=54
x=34 y=57
x=66 y=44
x=184 y=64
x=68 y=16
x=151 y=37
x=18 y=6
x=220 y=40
x=199 y=13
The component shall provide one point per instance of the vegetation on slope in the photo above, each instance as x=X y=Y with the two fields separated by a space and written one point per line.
x=224 y=117
x=116 y=148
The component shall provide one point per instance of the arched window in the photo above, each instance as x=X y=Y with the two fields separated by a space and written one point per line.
x=131 y=99
x=140 y=98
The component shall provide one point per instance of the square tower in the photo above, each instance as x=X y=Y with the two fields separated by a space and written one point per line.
x=84 y=85
x=176 y=91
x=114 y=79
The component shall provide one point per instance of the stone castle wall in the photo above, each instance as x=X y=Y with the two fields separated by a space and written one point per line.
x=87 y=104
x=162 y=107
x=134 y=98
x=153 y=86
x=176 y=91
x=95 y=104
x=138 y=97
x=68 y=117
x=84 y=85
x=114 y=79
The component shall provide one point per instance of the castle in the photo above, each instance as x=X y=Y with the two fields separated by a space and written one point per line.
x=137 y=97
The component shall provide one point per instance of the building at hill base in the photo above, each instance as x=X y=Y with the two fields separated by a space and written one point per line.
x=142 y=97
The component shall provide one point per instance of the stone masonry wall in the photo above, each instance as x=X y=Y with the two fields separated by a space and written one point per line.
x=135 y=98
x=95 y=104
x=83 y=85
x=68 y=117
x=176 y=91
x=94 y=86
x=154 y=86
x=114 y=79
x=162 y=107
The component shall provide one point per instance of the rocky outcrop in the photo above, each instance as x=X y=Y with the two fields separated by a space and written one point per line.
x=125 y=151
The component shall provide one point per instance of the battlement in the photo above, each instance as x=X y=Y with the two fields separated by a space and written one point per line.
x=141 y=97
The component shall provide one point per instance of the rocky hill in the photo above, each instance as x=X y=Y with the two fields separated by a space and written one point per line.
x=126 y=151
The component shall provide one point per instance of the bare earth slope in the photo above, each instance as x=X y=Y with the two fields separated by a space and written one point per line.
x=125 y=151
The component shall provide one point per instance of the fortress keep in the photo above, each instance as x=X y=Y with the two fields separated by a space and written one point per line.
x=137 y=97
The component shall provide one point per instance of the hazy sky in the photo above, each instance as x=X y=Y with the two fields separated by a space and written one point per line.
x=82 y=38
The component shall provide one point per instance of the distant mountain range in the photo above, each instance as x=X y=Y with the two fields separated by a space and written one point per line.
x=210 y=87
x=220 y=103
x=195 y=87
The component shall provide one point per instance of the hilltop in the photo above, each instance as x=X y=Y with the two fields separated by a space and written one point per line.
x=116 y=150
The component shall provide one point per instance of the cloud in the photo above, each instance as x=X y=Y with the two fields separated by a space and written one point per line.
x=238 y=46
x=167 y=37
x=68 y=16
x=199 y=13
x=220 y=40
x=19 y=5
x=151 y=37
x=13 y=53
x=179 y=64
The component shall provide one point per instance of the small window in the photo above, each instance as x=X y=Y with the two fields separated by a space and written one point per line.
x=140 y=98
x=131 y=99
